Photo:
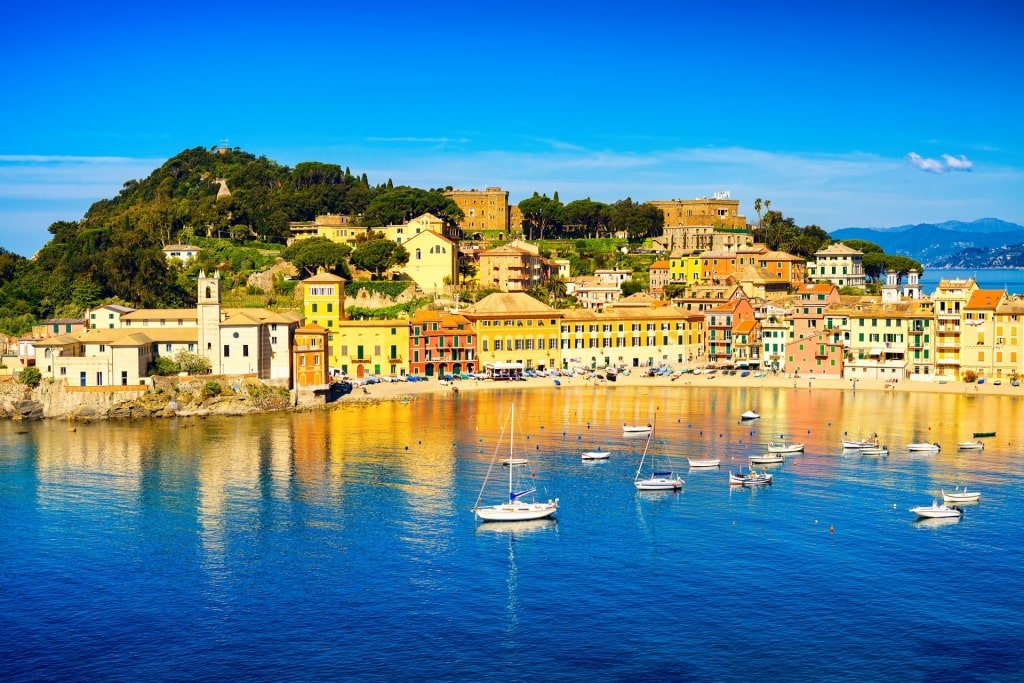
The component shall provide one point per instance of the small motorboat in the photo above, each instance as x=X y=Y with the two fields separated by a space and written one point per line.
x=869 y=441
x=636 y=429
x=924 y=447
x=936 y=511
x=595 y=455
x=749 y=415
x=767 y=459
x=961 y=495
x=978 y=434
x=705 y=462
x=971 y=445
x=875 y=450
x=514 y=461
x=784 y=446
x=750 y=479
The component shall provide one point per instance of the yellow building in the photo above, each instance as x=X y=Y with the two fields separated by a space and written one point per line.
x=717 y=211
x=982 y=338
x=950 y=302
x=401 y=234
x=335 y=228
x=309 y=357
x=684 y=266
x=482 y=209
x=516 y=328
x=372 y=347
x=839 y=264
x=323 y=304
x=1009 y=335
x=433 y=261
x=515 y=267
x=630 y=337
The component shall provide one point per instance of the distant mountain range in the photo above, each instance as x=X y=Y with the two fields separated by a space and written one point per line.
x=984 y=243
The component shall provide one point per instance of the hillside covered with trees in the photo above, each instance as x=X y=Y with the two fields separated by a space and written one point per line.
x=236 y=207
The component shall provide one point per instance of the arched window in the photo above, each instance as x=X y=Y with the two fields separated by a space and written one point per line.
x=418 y=254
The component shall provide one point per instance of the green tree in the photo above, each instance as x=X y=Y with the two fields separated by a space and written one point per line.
x=540 y=214
x=585 y=218
x=379 y=255
x=192 y=363
x=311 y=254
x=403 y=203
x=638 y=221
x=630 y=287
x=30 y=377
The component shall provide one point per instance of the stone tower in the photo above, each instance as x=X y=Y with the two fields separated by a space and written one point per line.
x=208 y=319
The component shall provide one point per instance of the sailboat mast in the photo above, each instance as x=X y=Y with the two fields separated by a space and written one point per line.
x=511 y=463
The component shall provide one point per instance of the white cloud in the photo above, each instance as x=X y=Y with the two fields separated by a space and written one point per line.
x=960 y=163
x=928 y=165
x=947 y=163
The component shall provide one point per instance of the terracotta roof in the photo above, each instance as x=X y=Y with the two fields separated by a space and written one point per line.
x=510 y=304
x=985 y=299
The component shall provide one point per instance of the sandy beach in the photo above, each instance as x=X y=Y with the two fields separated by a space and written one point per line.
x=406 y=390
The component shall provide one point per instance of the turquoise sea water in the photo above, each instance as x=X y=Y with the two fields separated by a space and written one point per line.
x=341 y=546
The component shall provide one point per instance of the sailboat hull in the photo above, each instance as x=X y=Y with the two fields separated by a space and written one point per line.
x=516 y=511
x=658 y=484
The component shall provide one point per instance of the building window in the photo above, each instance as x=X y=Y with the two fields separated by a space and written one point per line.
x=227 y=351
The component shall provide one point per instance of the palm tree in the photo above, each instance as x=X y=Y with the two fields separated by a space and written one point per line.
x=757 y=207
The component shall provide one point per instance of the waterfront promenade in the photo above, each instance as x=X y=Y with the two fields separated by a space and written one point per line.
x=401 y=390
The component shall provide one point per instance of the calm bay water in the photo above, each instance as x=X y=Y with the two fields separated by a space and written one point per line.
x=340 y=545
x=1011 y=280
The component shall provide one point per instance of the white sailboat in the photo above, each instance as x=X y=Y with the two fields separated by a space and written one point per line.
x=664 y=480
x=516 y=509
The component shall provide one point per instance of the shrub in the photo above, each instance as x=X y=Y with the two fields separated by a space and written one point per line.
x=30 y=377
x=211 y=389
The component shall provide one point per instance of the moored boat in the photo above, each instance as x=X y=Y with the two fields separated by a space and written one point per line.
x=971 y=445
x=595 y=455
x=875 y=450
x=660 y=480
x=749 y=415
x=704 y=462
x=516 y=508
x=869 y=441
x=923 y=446
x=936 y=511
x=783 y=446
x=636 y=429
x=767 y=459
x=961 y=495
x=750 y=479
x=982 y=434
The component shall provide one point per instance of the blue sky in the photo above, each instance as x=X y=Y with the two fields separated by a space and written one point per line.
x=868 y=114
